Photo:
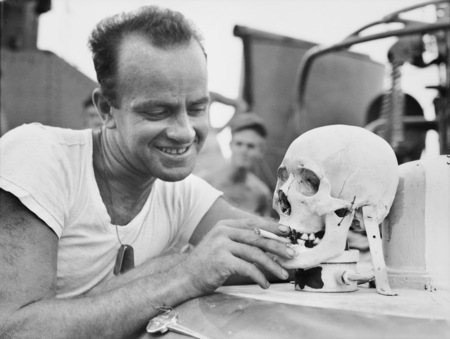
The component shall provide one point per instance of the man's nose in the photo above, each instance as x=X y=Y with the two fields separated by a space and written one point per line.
x=181 y=128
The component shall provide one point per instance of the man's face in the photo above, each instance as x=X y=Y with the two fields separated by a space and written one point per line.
x=163 y=97
x=246 y=148
x=91 y=117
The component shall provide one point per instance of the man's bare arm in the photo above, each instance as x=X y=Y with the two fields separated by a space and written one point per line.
x=29 y=309
x=220 y=210
x=150 y=267
x=27 y=287
x=27 y=257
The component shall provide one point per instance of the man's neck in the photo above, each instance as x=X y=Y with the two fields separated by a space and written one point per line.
x=239 y=174
x=123 y=189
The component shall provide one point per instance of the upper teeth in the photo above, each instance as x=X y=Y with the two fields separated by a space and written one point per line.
x=173 y=150
x=306 y=239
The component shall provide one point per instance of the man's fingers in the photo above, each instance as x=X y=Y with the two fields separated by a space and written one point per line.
x=250 y=237
x=258 y=222
x=233 y=247
x=255 y=255
x=250 y=271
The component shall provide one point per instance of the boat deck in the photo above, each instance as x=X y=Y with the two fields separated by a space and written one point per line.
x=248 y=311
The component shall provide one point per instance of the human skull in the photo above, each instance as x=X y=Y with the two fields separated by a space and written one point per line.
x=327 y=176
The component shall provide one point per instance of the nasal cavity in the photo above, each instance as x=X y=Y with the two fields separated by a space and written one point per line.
x=283 y=202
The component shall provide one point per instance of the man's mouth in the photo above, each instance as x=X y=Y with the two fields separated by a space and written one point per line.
x=174 y=150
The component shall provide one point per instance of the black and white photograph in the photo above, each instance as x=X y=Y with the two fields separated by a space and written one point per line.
x=258 y=169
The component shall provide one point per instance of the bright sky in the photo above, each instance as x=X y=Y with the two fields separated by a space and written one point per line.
x=65 y=30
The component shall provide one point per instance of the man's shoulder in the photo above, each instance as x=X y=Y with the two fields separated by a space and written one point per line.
x=37 y=148
x=37 y=133
x=26 y=132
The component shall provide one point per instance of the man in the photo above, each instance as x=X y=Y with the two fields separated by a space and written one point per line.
x=90 y=117
x=240 y=186
x=76 y=206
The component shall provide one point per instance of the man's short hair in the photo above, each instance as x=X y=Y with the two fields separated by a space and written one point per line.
x=248 y=120
x=163 y=27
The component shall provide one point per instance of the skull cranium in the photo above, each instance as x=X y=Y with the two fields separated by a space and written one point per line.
x=328 y=177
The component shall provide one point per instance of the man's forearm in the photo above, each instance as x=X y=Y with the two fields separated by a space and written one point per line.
x=150 y=267
x=113 y=314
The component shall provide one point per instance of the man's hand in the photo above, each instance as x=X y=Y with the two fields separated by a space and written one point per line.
x=233 y=247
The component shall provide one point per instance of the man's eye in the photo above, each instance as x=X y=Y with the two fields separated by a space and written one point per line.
x=197 y=110
x=156 y=113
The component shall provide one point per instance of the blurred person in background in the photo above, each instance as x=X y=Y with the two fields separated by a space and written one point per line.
x=241 y=187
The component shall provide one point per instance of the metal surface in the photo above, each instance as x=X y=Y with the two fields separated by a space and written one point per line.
x=39 y=86
x=228 y=316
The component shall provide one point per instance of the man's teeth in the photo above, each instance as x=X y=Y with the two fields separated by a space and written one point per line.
x=173 y=151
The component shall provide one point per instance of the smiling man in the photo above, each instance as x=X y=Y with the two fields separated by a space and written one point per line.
x=88 y=218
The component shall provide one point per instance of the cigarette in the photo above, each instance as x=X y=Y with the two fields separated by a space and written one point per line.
x=270 y=235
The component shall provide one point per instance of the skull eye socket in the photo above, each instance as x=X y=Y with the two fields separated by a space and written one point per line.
x=308 y=181
x=282 y=173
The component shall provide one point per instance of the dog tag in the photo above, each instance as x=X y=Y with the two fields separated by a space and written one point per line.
x=124 y=259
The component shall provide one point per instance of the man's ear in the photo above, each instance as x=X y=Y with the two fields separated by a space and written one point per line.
x=104 y=108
